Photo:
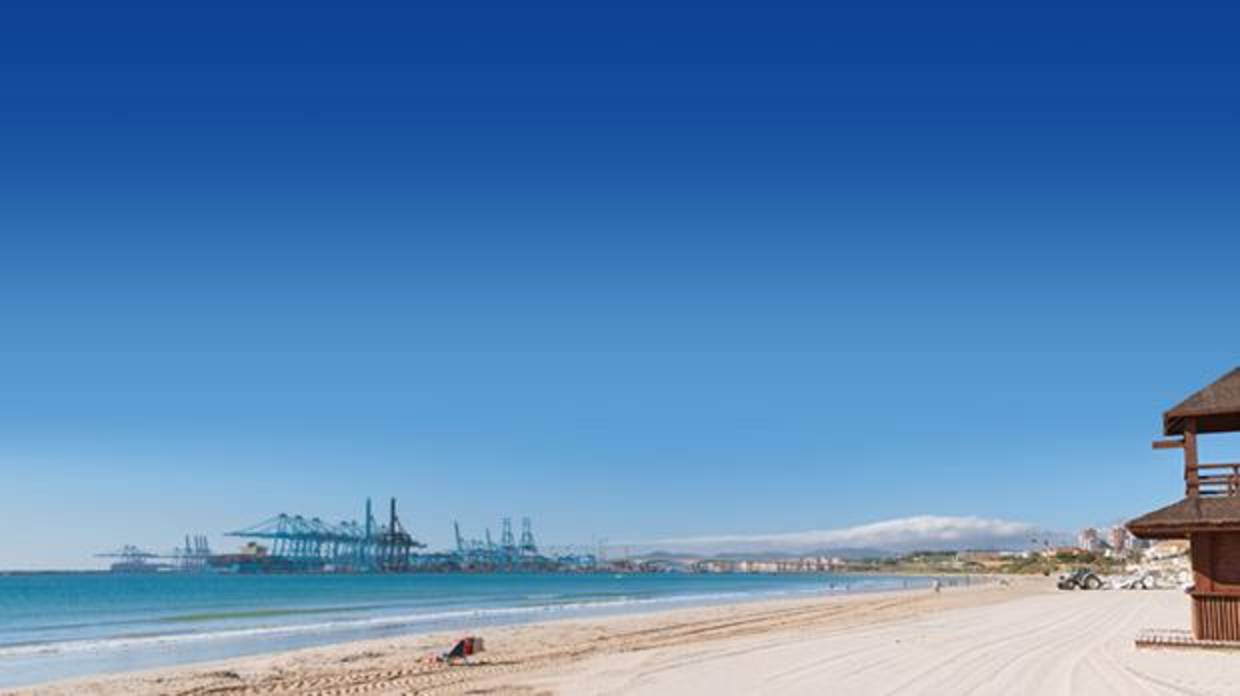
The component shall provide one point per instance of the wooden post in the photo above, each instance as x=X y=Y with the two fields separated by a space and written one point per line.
x=1191 y=482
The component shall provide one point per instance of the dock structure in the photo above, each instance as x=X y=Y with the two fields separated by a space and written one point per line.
x=1209 y=514
x=299 y=544
x=131 y=559
x=305 y=544
x=195 y=555
x=508 y=555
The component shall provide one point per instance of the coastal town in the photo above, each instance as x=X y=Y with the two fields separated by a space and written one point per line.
x=1111 y=550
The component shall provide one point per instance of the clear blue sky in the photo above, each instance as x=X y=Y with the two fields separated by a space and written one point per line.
x=636 y=271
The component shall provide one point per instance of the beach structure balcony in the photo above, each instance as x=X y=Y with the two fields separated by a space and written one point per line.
x=1215 y=409
x=1209 y=514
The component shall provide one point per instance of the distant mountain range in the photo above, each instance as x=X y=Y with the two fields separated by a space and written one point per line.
x=880 y=539
x=845 y=554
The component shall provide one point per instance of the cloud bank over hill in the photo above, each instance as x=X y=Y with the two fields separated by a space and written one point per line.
x=902 y=534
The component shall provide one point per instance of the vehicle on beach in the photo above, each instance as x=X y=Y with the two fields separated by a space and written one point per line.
x=1080 y=579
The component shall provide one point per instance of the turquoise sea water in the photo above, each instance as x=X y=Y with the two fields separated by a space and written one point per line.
x=61 y=625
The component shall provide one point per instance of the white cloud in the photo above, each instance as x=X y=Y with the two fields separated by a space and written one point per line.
x=921 y=532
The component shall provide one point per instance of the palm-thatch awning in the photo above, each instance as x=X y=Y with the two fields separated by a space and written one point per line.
x=1194 y=513
x=1215 y=409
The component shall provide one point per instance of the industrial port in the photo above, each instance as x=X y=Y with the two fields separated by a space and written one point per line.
x=297 y=544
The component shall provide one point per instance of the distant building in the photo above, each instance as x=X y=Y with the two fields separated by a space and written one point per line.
x=1088 y=539
x=1054 y=551
x=1119 y=539
x=713 y=566
x=807 y=564
x=1170 y=548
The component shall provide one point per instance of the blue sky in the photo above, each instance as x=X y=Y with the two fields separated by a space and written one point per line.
x=640 y=272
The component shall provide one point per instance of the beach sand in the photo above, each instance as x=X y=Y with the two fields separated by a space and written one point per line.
x=1020 y=638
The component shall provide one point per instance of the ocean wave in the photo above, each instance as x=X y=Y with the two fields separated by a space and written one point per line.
x=375 y=622
x=545 y=605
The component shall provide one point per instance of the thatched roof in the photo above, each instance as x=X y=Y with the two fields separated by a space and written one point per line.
x=1215 y=409
x=1194 y=513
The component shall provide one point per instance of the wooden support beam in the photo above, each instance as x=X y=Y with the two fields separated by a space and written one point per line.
x=1191 y=483
x=1169 y=444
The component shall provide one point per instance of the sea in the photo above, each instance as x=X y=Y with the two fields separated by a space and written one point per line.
x=62 y=625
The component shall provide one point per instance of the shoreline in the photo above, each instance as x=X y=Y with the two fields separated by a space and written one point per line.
x=396 y=664
x=162 y=644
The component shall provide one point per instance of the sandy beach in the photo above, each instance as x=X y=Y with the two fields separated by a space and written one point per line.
x=1020 y=638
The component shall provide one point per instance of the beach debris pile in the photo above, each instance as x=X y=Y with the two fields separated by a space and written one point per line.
x=1164 y=567
x=1136 y=581
x=1083 y=579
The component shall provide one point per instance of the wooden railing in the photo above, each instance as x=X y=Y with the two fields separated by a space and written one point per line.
x=1212 y=479
x=1216 y=616
x=1203 y=479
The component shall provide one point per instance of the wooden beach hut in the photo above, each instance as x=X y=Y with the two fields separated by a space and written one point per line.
x=1209 y=514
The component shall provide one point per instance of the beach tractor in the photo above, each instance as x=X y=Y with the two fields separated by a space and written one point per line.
x=1080 y=579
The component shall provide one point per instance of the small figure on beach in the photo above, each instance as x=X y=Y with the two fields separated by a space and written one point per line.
x=460 y=653
x=938 y=586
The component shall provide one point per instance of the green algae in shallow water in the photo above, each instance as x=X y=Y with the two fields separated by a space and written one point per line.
x=258 y=614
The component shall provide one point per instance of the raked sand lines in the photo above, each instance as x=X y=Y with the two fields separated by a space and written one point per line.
x=1049 y=643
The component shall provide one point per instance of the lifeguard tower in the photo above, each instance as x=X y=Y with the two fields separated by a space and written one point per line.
x=1209 y=515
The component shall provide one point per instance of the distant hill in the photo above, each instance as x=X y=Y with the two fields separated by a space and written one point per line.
x=848 y=554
